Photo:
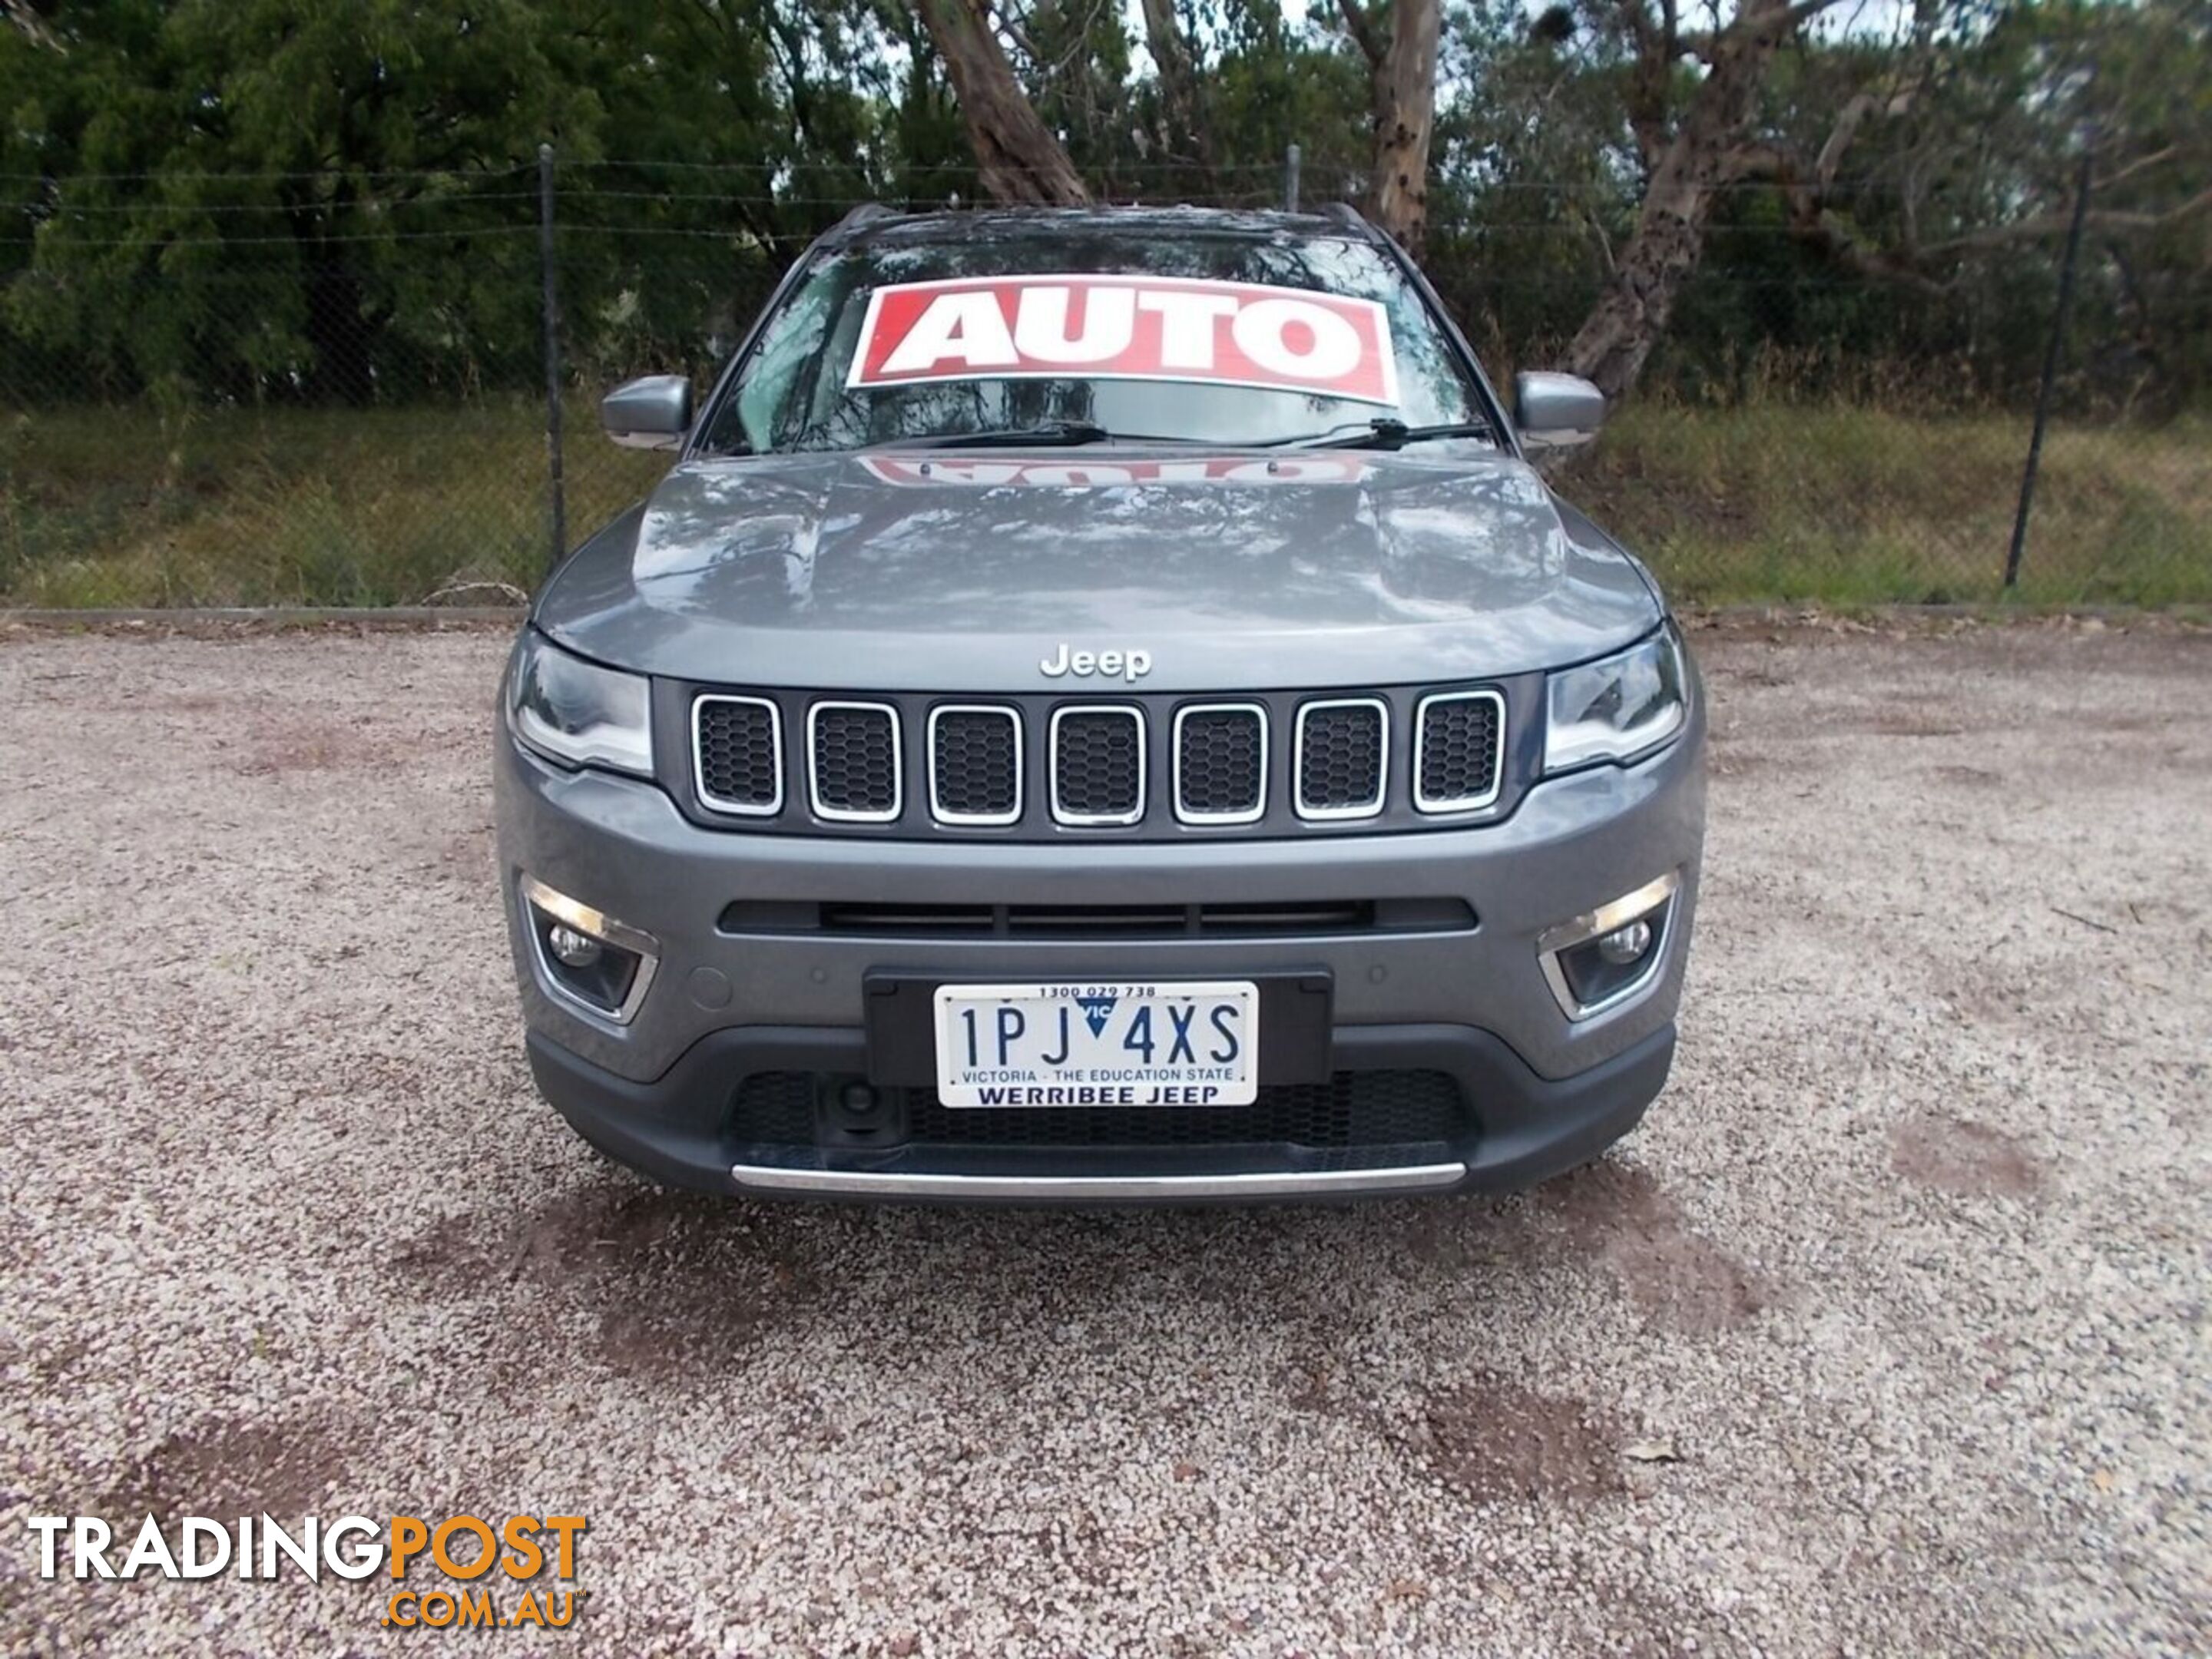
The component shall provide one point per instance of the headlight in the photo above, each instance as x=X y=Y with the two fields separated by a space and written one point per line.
x=1616 y=708
x=576 y=712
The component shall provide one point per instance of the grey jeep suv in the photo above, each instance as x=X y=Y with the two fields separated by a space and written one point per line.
x=1101 y=708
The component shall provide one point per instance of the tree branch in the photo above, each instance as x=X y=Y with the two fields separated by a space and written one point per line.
x=1782 y=18
x=1171 y=63
x=34 y=27
x=1650 y=78
x=1847 y=122
x=1822 y=231
x=2141 y=164
x=1362 y=29
x=2055 y=224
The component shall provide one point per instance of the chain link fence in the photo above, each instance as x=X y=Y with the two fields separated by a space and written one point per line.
x=291 y=390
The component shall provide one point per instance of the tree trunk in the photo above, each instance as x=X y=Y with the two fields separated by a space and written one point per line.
x=1021 y=161
x=1179 y=98
x=1632 y=314
x=342 y=331
x=1706 y=154
x=1404 y=121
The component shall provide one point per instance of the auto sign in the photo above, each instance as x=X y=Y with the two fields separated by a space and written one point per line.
x=1034 y=327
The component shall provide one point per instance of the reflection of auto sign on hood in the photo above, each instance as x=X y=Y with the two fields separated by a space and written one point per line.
x=1121 y=328
x=919 y=470
x=827 y=569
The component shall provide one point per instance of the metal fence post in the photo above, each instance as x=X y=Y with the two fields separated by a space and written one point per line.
x=1290 y=180
x=2049 y=374
x=556 y=506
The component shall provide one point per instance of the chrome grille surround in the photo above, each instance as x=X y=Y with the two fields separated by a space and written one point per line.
x=977 y=820
x=1423 y=802
x=1183 y=811
x=1091 y=711
x=727 y=803
x=1326 y=810
x=844 y=814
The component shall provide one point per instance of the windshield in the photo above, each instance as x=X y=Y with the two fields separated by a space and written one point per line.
x=1088 y=336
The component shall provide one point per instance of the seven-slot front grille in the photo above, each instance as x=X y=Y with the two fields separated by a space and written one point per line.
x=1097 y=764
x=1343 y=757
x=852 y=761
x=1458 y=757
x=1156 y=766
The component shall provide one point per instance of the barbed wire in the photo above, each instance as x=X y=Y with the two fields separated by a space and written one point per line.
x=962 y=173
x=1710 y=276
x=153 y=244
x=230 y=173
x=1578 y=234
x=154 y=205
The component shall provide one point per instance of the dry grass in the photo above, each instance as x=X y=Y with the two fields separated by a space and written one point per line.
x=291 y=507
x=1774 y=502
x=1769 y=501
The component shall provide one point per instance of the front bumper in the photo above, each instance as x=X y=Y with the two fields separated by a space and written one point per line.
x=677 y=1128
x=1543 y=1092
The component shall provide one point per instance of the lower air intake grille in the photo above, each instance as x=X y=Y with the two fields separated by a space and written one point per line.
x=855 y=761
x=1098 y=766
x=1352 y=1109
x=775 y=1107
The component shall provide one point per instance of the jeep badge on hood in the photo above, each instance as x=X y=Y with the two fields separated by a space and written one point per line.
x=1129 y=664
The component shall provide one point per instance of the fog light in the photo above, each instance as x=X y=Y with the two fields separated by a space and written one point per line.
x=574 y=950
x=1607 y=956
x=1625 y=945
x=584 y=956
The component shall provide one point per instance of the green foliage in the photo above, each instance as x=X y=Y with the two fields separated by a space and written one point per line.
x=246 y=199
x=242 y=203
x=255 y=201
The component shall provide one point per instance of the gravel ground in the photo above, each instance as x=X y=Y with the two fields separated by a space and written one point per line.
x=1908 y=1267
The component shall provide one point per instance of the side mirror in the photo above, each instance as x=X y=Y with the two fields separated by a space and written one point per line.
x=1556 y=411
x=651 y=412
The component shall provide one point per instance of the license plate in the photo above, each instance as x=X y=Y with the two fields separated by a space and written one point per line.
x=1098 y=1043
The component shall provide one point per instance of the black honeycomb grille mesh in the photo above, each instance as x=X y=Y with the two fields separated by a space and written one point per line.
x=774 y=1107
x=975 y=761
x=1218 y=770
x=1340 y=757
x=738 y=754
x=1352 y=1109
x=1459 y=749
x=1097 y=763
x=855 y=760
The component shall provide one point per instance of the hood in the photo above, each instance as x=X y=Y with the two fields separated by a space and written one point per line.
x=941 y=572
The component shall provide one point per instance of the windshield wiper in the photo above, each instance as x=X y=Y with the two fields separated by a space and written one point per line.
x=1385 y=433
x=1045 y=434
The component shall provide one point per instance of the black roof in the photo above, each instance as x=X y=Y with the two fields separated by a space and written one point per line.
x=876 y=223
